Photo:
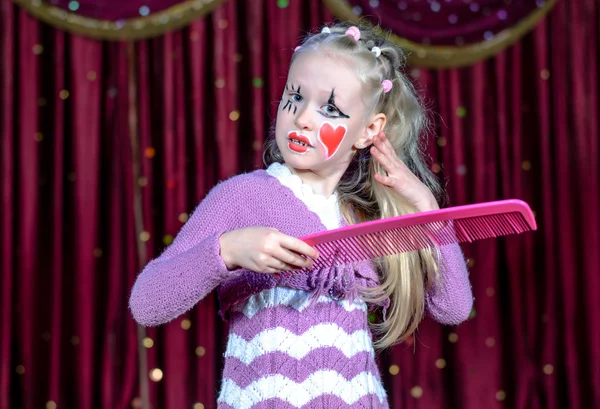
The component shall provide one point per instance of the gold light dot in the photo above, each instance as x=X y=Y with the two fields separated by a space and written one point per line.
x=470 y=262
x=490 y=292
x=75 y=340
x=198 y=406
x=500 y=395
x=46 y=336
x=91 y=75
x=545 y=74
x=237 y=57
x=38 y=49
x=436 y=168
x=256 y=145
x=20 y=369
x=144 y=236
x=394 y=369
x=440 y=363
x=526 y=165
x=234 y=115
x=97 y=252
x=548 y=369
x=473 y=313
x=50 y=405
x=167 y=239
x=156 y=375
x=136 y=403
x=64 y=94
x=149 y=152
x=220 y=82
x=200 y=351
x=194 y=36
x=72 y=176
x=38 y=137
x=490 y=342
x=442 y=141
x=453 y=337
x=142 y=181
x=223 y=23
x=148 y=342
x=186 y=324
x=416 y=392
x=41 y=102
x=183 y=217
x=461 y=112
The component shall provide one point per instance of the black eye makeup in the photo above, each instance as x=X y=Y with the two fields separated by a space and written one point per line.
x=294 y=96
x=330 y=110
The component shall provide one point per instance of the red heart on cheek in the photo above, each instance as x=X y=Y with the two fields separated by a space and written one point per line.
x=331 y=138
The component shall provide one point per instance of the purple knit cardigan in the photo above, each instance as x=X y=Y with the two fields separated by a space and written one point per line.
x=191 y=267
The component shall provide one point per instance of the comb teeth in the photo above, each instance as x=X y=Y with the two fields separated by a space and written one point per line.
x=417 y=237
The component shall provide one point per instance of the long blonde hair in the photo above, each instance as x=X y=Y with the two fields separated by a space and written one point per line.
x=403 y=278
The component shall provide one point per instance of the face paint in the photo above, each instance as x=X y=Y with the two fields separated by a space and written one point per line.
x=289 y=104
x=298 y=143
x=331 y=138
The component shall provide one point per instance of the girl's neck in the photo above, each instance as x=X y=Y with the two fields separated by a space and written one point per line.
x=322 y=183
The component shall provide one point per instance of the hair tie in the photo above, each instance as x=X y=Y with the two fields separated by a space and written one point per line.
x=353 y=32
x=387 y=86
x=376 y=51
x=326 y=30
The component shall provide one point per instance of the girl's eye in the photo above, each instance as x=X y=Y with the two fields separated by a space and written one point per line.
x=296 y=98
x=331 y=110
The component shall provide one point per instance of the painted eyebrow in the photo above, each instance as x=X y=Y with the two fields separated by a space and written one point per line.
x=288 y=86
x=331 y=101
x=332 y=97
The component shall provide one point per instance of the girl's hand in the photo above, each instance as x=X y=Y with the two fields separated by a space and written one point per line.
x=399 y=177
x=264 y=250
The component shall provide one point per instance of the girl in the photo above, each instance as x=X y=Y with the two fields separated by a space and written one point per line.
x=303 y=339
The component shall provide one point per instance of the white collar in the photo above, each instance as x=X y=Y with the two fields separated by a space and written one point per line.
x=326 y=208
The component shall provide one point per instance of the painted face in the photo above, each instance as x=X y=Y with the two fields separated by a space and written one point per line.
x=321 y=114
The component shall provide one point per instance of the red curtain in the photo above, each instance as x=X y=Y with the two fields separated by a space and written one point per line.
x=521 y=125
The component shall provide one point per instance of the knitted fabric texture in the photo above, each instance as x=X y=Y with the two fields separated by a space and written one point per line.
x=286 y=348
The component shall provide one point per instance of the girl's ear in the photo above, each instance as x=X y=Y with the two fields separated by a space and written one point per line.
x=372 y=129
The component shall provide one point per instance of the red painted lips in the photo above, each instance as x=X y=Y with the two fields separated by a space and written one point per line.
x=295 y=147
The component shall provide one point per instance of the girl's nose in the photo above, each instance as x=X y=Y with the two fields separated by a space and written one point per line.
x=304 y=119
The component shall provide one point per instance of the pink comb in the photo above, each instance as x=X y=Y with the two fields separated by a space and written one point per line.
x=369 y=240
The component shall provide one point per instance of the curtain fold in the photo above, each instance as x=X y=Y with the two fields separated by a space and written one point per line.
x=523 y=124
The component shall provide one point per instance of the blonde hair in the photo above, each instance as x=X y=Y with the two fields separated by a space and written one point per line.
x=404 y=278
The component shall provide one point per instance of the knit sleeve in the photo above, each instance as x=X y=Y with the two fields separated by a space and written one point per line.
x=191 y=267
x=450 y=300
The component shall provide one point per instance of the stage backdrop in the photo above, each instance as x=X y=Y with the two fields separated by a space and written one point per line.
x=521 y=125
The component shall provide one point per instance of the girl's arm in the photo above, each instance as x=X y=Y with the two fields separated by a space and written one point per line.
x=191 y=267
x=450 y=300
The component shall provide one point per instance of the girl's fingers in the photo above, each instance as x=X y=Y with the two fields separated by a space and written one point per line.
x=298 y=246
x=279 y=265
x=386 y=180
x=384 y=145
x=384 y=160
x=292 y=259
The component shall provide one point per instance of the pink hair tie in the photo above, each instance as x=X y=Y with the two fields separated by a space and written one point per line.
x=353 y=32
x=387 y=85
